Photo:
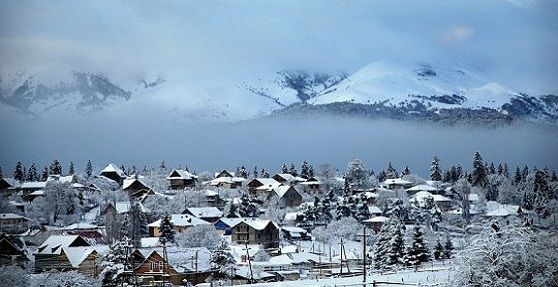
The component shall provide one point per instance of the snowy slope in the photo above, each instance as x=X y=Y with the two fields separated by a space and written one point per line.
x=394 y=84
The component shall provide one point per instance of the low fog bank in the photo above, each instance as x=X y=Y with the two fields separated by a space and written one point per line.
x=143 y=140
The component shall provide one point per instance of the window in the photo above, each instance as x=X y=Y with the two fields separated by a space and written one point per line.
x=161 y=266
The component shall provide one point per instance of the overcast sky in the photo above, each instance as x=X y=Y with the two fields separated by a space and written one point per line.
x=513 y=42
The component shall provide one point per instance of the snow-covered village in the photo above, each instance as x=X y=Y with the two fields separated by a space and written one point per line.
x=278 y=143
x=163 y=226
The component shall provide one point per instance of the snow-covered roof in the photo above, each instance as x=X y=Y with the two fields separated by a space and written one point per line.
x=396 y=181
x=225 y=179
x=181 y=174
x=502 y=210
x=255 y=223
x=147 y=242
x=80 y=225
x=39 y=192
x=111 y=167
x=183 y=259
x=267 y=181
x=376 y=219
x=422 y=187
x=124 y=207
x=282 y=189
x=244 y=272
x=11 y=216
x=182 y=220
x=63 y=179
x=33 y=184
x=422 y=195
x=473 y=197
x=290 y=178
x=294 y=229
x=11 y=181
x=289 y=249
x=305 y=257
x=129 y=181
x=269 y=187
x=280 y=260
x=205 y=212
x=55 y=243
x=291 y=216
x=374 y=209
x=210 y=192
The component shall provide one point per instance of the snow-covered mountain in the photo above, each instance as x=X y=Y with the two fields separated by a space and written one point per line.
x=446 y=93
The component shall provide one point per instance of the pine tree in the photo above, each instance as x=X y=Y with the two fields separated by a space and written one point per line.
x=18 y=172
x=435 y=173
x=438 y=250
x=525 y=172
x=506 y=170
x=448 y=249
x=221 y=262
x=500 y=169
x=553 y=178
x=71 y=168
x=32 y=174
x=311 y=171
x=115 y=262
x=56 y=167
x=284 y=168
x=163 y=166
x=517 y=176
x=44 y=174
x=406 y=171
x=255 y=172
x=418 y=251
x=138 y=224
x=292 y=170
x=88 y=169
x=389 y=246
x=1 y=173
x=541 y=194
x=491 y=168
x=166 y=230
x=391 y=172
x=478 y=175
x=247 y=208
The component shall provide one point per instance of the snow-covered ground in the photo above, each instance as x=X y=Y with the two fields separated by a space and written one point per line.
x=425 y=277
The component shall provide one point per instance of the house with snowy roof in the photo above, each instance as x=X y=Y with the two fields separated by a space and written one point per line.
x=13 y=223
x=312 y=184
x=114 y=173
x=255 y=231
x=287 y=178
x=135 y=187
x=223 y=173
x=154 y=268
x=262 y=186
x=442 y=202
x=181 y=222
x=226 y=182
x=287 y=195
x=423 y=187
x=180 y=179
x=395 y=183
x=69 y=252
x=375 y=223
x=13 y=251
x=295 y=233
x=8 y=185
x=209 y=214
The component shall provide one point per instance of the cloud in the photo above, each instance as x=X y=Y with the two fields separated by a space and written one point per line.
x=458 y=34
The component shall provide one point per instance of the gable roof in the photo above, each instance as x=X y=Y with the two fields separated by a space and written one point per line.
x=10 y=181
x=33 y=185
x=181 y=174
x=283 y=189
x=124 y=206
x=256 y=223
x=127 y=183
x=182 y=220
x=55 y=243
x=204 y=212
x=396 y=181
x=111 y=167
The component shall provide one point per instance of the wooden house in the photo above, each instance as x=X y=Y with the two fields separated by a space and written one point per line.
x=224 y=173
x=12 y=251
x=287 y=178
x=288 y=195
x=135 y=187
x=312 y=185
x=67 y=252
x=181 y=222
x=180 y=179
x=8 y=185
x=111 y=171
x=255 y=231
x=209 y=214
x=13 y=223
x=396 y=183
x=262 y=186
x=375 y=223
x=155 y=270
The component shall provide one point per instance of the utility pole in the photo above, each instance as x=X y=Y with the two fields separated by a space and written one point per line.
x=249 y=262
x=364 y=255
